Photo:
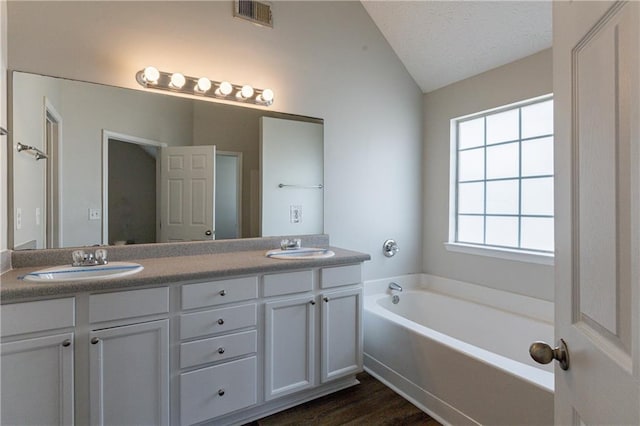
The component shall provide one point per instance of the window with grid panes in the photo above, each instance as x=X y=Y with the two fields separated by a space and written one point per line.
x=504 y=177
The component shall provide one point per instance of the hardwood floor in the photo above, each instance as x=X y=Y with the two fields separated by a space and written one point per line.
x=369 y=403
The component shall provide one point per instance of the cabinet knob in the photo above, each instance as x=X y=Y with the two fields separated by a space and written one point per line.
x=223 y=293
x=220 y=350
x=220 y=321
x=326 y=299
x=207 y=232
x=66 y=343
x=221 y=392
x=94 y=340
x=313 y=302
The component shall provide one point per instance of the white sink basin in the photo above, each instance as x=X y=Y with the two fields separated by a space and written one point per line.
x=301 y=253
x=76 y=273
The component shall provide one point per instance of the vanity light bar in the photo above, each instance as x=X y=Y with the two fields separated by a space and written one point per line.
x=152 y=78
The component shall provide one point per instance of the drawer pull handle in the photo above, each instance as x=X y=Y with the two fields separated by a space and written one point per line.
x=66 y=343
x=223 y=293
x=220 y=350
x=221 y=392
x=220 y=321
x=326 y=299
x=313 y=302
x=95 y=341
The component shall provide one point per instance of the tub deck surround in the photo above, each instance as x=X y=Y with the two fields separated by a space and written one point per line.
x=173 y=268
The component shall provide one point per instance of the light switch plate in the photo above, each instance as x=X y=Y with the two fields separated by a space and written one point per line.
x=295 y=214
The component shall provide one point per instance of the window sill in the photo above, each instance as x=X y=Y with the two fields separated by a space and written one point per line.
x=502 y=253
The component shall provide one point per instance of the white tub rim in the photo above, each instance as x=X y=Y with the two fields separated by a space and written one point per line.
x=518 y=304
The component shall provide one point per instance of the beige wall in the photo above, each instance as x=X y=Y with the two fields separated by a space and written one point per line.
x=132 y=211
x=83 y=120
x=520 y=80
x=29 y=174
x=3 y=123
x=322 y=59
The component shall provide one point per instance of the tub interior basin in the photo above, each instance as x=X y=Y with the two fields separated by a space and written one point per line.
x=76 y=273
x=300 y=253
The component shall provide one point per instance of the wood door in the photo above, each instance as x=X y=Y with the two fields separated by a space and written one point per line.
x=187 y=193
x=37 y=381
x=597 y=95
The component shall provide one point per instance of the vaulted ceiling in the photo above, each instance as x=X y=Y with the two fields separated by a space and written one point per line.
x=441 y=42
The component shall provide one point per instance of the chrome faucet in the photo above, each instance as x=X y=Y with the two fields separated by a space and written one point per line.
x=80 y=258
x=395 y=286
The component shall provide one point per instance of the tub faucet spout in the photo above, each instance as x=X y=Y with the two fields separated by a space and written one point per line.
x=395 y=286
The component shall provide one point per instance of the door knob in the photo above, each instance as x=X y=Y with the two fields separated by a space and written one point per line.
x=542 y=353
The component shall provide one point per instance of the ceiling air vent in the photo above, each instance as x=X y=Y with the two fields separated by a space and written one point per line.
x=258 y=12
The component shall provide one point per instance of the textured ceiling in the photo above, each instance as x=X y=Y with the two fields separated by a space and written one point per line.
x=441 y=42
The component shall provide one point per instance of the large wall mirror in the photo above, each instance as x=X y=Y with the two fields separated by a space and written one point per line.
x=113 y=172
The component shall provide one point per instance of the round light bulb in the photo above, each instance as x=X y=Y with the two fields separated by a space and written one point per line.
x=225 y=88
x=178 y=80
x=204 y=84
x=246 y=91
x=267 y=95
x=151 y=75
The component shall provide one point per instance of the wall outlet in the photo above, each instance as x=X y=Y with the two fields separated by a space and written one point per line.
x=18 y=218
x=94 y=214
x=295 y=214
x=38 y=216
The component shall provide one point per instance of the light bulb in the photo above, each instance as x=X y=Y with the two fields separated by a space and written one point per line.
x=246 y=92
x=177 y=80
x=151 y=75
x=266 y=96
x=204 y=84
x=224 y=89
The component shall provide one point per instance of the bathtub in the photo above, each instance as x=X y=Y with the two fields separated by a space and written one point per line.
x=460 y=351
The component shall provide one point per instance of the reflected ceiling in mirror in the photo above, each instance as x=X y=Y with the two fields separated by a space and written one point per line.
x=107 y=137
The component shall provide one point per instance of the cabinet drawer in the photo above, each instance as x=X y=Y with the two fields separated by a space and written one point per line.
x=218 y=292
x=287 y=283
x=217 y=320
x=218 y=348
x=128 y=304
x=214 y=391
x=340 y=275
x=29 y=317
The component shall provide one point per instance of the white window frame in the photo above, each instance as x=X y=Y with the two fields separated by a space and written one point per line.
x=516 y=254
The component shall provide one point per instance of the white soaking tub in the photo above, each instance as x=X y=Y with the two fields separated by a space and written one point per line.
x=460 y=351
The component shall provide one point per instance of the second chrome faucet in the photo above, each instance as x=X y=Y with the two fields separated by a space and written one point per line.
x=395 y=286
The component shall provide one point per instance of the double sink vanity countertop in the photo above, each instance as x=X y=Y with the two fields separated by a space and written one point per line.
x=167 y=270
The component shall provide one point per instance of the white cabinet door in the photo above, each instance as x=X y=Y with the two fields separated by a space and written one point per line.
x=341 y=334
x=289 y=346
x=129 y=374
x=37 y=381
